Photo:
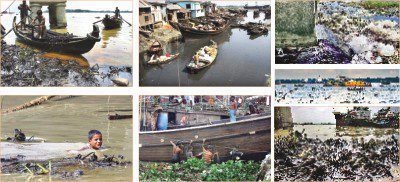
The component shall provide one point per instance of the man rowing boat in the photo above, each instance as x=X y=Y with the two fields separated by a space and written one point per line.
x=23 y=8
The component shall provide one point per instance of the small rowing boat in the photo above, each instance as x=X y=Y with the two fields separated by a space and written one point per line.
x=162 y=59
x=57 y=42
x=203 y=58
x=111 y=22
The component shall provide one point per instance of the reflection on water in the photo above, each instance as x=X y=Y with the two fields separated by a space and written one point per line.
x=324 y=132
x=241 y=61
x=68 y=120
x=115 y=48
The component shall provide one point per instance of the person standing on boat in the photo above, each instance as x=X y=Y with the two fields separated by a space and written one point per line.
x=41 y=23
x=117 y=12
x=232 y=108
x=23 y=8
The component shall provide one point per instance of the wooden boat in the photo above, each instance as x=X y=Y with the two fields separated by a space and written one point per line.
x=156 y=47
x=190 y=30
x=162 y=59
x=111 y=23
x=250 y=136
x=193 y=67
x=119 y=116
x=57 y=42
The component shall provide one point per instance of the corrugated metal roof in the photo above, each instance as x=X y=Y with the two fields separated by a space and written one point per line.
x=173 y=7
x=157 y=1
x=144 y=4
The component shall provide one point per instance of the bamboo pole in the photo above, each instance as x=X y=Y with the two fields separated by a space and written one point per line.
x=31 y=103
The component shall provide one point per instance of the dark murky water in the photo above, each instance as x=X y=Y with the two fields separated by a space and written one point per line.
x=242 y=60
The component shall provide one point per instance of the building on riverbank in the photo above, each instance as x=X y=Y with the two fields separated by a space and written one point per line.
x=145 y=17
x=158 y=11
x=194 y=6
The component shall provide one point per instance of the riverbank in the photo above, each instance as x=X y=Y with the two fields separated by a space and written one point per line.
x=165 y=34
x=64 y=169
x=23 y=66
x=197 y=170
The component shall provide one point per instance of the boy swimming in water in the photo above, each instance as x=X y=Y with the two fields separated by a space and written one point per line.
x=95 y=141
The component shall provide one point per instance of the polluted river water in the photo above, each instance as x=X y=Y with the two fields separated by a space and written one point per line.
x=67 y=120
x=242 y=60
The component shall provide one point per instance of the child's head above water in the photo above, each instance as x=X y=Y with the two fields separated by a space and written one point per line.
x=95 y=139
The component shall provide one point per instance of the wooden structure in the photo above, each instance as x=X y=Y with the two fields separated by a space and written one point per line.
x=56 y=8
x=283 y=118
x=250 y=135
x=146 y=19
x=190 y=30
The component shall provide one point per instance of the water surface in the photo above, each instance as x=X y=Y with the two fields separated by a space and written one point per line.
x=69 y=120
x=242 y=60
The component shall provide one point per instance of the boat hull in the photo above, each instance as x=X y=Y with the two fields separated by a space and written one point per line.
x=77 y=45
x=251 y=136
x=193 y=31
x=111 y=23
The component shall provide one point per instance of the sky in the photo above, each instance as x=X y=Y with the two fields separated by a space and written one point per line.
x=123 y=5
x=321 y=114
x=333 y=73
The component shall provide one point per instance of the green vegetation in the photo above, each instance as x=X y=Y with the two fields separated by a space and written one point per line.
x=374 y=4
x=196 y=169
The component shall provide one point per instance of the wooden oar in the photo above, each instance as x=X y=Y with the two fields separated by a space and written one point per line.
x=98 y=21
x=125 y=21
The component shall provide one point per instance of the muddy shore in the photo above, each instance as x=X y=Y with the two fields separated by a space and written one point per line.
x=25 y=67
x=298 y=157
x=65 y=169
x=165 y=35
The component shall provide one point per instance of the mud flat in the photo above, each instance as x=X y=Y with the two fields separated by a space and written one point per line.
x=298 y=157
x=26 y=67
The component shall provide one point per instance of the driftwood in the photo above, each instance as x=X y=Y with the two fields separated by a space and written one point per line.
x=26 y=105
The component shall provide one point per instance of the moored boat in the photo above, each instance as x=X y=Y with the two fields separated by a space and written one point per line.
x=162 y=59
x=185 y=28
x=250 y=136
x=205 y=57
x=57 y=42
x=111 y=22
